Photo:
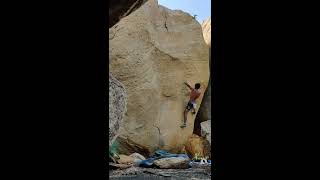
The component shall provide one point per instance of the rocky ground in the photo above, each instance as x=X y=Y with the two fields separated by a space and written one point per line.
x=139 y=173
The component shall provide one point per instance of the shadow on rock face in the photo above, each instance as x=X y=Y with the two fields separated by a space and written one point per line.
x=117 y=106
x=121 y=8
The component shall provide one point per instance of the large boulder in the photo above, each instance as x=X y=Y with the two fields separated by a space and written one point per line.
x=117 y=95
x=123 y=145
x=199 y=146
x=117 y=107
x=153 y=51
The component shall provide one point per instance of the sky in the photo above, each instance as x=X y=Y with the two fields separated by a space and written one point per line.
x=202 y=8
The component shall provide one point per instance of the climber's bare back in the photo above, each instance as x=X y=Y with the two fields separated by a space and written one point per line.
x=195 y=94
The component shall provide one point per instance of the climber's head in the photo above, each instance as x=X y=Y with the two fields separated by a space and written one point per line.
x=197 y=86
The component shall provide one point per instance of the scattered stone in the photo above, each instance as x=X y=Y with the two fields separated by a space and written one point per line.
x=196 y=172
x=157 y=173
x=119 y=166
x=124 y=159
x=172 y=163
x=137 y=156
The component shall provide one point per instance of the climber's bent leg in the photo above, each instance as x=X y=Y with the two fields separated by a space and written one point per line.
x=185 y=113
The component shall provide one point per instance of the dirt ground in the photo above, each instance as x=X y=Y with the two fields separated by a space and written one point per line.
x=139 y=173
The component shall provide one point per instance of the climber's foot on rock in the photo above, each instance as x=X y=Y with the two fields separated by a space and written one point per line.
x=183 y=125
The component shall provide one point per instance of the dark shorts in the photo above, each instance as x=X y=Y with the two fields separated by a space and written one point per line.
x=189 y=106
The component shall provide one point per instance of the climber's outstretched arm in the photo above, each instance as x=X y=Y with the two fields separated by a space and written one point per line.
x=188 y=85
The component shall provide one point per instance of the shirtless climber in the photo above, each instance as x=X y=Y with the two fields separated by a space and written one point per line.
x=195 y=93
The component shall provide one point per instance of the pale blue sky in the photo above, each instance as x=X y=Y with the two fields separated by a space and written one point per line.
x=202 y=8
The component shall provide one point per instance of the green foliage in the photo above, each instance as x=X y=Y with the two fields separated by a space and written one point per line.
x=113 y=149
x=197 y=157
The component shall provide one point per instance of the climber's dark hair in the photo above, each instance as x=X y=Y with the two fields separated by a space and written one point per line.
x=197 y=86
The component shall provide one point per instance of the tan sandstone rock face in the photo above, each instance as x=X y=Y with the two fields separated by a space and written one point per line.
x=153 y=51
x=206 y=27
x=117 y=94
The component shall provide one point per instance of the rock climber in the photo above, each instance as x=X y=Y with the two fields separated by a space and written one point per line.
x=194 y=94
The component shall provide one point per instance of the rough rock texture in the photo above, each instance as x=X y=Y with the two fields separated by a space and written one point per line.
x=127 y=147
x=121 y=8
x=172 y=163
x=206 y=130
x=153 y=51
x=204 y=113
x=117 y=95
x=137 y=156
x=117 y=107
x=137 y=173
x=198 y=145
x=124 y=159
x=206 y=28
x=119 y=166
